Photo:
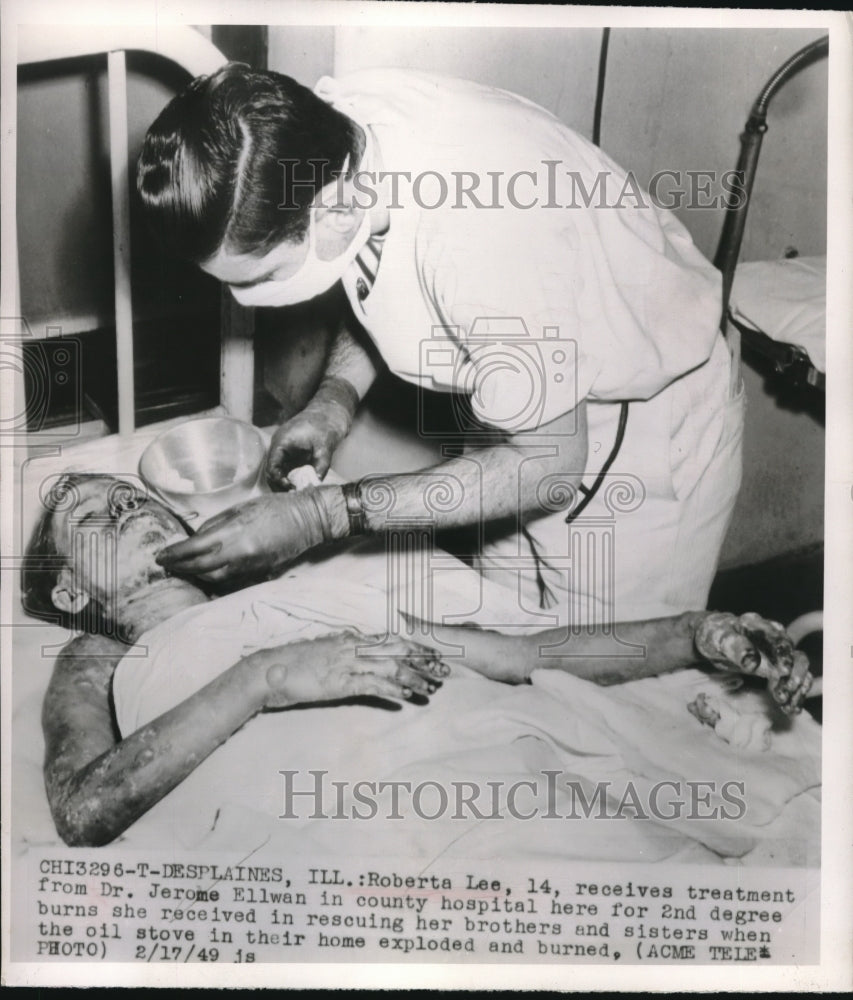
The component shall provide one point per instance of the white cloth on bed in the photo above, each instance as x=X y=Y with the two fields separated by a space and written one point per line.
x=786 y=299
x=473 y=730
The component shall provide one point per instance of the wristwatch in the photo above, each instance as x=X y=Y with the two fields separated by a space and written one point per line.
x=355 y=508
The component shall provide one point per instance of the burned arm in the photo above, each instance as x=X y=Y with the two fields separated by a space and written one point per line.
x=97 y=784
x=745 y=644
x=661 y=646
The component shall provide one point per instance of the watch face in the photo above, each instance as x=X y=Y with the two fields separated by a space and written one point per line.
x=355 y=510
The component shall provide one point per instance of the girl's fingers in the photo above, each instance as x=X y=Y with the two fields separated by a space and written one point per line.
x=399 y=673
x=771 y=640
x=417 y=656
x=428 y=664
x=383 y=687
x=798 y=683
x=740 y=652
x=400 y=685
x=414 y=680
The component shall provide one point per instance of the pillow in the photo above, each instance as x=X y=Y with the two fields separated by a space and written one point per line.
x=786 y=299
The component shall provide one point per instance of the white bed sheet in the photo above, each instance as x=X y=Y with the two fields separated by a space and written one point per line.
x=786 y=299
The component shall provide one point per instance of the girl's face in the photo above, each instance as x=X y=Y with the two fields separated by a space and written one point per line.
x=111 y=536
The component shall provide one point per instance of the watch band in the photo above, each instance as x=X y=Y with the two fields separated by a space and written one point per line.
x=355 y=508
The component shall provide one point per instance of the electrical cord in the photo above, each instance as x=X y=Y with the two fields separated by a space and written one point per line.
x=599 y=87
x=590 y=493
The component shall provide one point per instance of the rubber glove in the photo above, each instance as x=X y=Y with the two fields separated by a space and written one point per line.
x=311 y=437
x=254 y=541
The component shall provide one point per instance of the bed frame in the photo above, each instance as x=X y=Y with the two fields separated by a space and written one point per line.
x=190 y=50
x=786 y=358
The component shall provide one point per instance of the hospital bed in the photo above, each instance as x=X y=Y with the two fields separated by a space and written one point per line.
x=773 y=309
x=36 y=644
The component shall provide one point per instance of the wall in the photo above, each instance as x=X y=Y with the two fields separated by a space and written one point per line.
x=678 y=99
x=305 y=52
x=554 y=68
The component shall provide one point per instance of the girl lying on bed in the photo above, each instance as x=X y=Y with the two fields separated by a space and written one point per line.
x=91 y=565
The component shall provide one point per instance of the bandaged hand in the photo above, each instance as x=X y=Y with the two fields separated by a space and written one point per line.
x=340 y=666
x=750 y=644
x=744 y=730
x=311 y=437
x=252 y=542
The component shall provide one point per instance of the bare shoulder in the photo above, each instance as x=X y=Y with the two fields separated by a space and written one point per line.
x=89 y=650
x=83 y=670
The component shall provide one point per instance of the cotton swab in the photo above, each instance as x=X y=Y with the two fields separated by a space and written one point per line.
x=303 y=476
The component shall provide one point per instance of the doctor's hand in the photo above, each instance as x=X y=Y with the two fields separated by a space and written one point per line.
x=750 y=644
x=339 y=666
x=311 y=437
x=252 y=542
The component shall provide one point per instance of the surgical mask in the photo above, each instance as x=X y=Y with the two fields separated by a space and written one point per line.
x=314 y=276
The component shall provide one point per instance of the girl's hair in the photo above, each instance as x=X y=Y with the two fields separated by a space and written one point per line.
x=211 y=175
x=43 y=563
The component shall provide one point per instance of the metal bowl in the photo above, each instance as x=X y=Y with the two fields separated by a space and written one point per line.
x=204 y=466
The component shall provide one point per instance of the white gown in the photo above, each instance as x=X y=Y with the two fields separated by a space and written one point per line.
x=592 y=293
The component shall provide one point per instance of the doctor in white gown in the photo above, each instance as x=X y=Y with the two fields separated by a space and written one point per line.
x=490 y=252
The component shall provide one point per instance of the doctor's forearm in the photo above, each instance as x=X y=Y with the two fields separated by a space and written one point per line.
x=484 y=485
x=525 y=474
x=311 y=436
x=350 y=360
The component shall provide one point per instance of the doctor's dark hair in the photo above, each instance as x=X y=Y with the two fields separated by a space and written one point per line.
x=43 y=563
x=210 y=173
